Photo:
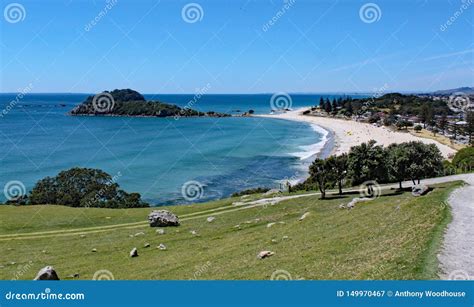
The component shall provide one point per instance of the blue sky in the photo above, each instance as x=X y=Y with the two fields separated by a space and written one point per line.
x=312 y=46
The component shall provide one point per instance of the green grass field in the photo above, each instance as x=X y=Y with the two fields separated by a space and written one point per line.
x=395 y=236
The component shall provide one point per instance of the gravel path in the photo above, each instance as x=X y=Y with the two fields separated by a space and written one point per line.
x=457 y=256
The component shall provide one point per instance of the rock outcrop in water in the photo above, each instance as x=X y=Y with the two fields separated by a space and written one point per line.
x=127 y=102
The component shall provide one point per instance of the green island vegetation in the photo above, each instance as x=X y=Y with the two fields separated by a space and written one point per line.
x=127 y=102
x=430 y=112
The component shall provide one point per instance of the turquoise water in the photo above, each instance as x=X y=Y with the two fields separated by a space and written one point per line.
x=155 y=156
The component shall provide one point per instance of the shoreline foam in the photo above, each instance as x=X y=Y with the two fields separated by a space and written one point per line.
x=351 y=133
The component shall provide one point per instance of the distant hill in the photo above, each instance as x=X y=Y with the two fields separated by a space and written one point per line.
x=466 y=90
x=127 y=102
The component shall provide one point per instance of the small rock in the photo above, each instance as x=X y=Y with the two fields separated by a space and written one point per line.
x=342 y=206
x=43 y=251
x=194 y=232
x=139 y=234
x=134 y=252
x=237 y=226
x=419 y=190
x=210 y=219
x=162 y=246
x=274 y=241
x=257 y=220
x=303 y=216
x=12 y=263
x=238 y=203
x=146 y=245
x=94 y=250
x=107 y=217
x=75 y=275
x=285 y=237
x=270 y=225
x=47 y=273
x=160 y=231
x=82 y=236
x=265 y=254
x=162 y=218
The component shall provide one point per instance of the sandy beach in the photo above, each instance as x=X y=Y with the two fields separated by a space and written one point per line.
x=351 y=133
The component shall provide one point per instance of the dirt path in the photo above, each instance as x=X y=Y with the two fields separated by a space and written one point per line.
x=457 y=256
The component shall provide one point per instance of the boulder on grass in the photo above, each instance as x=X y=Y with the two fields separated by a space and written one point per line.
x=419 y=190
x=162 y=218
x=134 y=252
x=265 y=254
x=47 y=273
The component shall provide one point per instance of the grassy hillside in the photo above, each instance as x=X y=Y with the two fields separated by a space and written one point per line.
x=393 y=237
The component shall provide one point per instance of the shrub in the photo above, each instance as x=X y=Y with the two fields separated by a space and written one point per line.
x=83 y=187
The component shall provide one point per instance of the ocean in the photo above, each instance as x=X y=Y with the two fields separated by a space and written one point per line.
x=159 y=157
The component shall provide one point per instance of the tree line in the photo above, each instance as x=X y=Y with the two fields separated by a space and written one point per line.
x=371 y=162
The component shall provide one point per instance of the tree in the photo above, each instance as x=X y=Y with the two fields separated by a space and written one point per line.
x=321 y=103
x=320 y=173
x=470 y=125
x=83 y=187
x=443 y=122
x=398 y=162
x=349 y=108
x=426 y=114
x=327 y=106
x=338 y=166
x=418 y=128
x=367 y=162
x=424 y=160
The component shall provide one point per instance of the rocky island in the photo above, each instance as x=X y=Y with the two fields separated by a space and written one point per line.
x=127 y=102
